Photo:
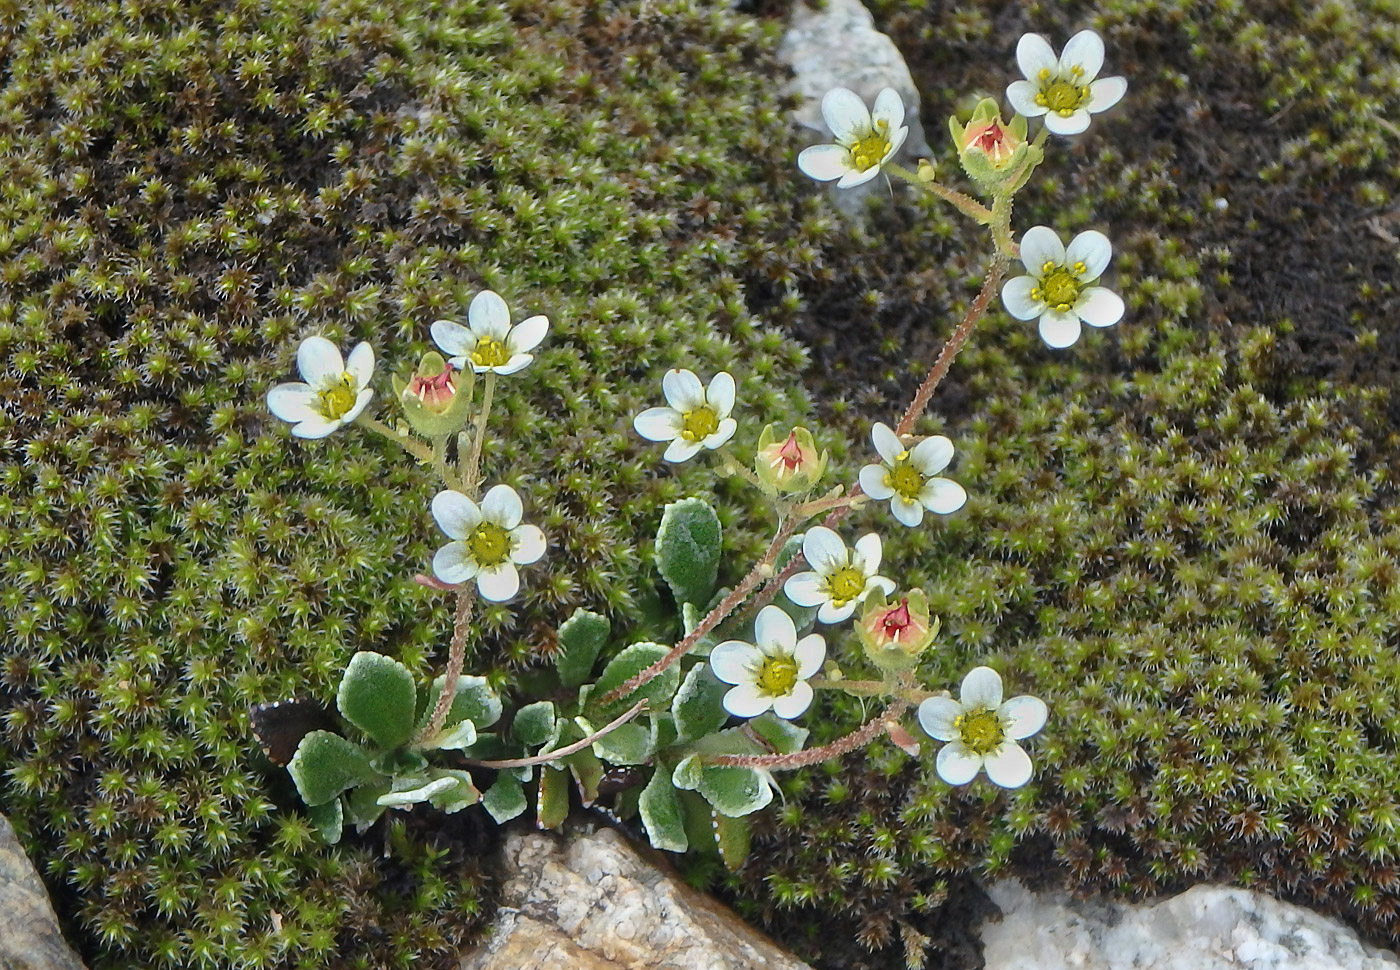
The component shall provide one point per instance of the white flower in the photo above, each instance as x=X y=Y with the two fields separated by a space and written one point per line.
x=864 y=143
x=488 y=341
x=840 y=579
x=489 y=541
x=335 y=392
x=909 y=476
x=1063 y=89
x=697 y=418
x=1057 y=290
x=772 y=672
x=982 y=731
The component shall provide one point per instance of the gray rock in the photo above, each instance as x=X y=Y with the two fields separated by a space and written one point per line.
x=29 y=936
x=592 y=902
x=1204 y=928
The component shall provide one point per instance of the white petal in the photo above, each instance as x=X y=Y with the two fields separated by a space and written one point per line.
x=319 y=361
x=943 y=496
x=936 y=717
x=881 y=583
x=1009 y=766
x=896 y=143
x=499 y=583
x=889 y=108
x=1023 y=716
x=1059 y=330
x=514 y=365
x=360 y=365
x=722 y=434
x=774 y=633
x=831 y=613
x=733 y=661
x=1105 y=93
x=315 y=427
x=795 y=703
x=1034 y=54
x=361 y=402
x=887 y=443
x=526 y=336
x=1099 y=307
x=720 y=394
x=1022 y=94
x=488 y=316
x=868 y=554
x=747 y=700
x=455 y=513
x=906 y=512
x=1073 y=125
x=452 y=338
x=293 y=402
x=872 y=482
x=1091 y=248
x=1016 y=297
x=931 y=456
x=805 y=589
x=845 y=114
x=1041 y=245
x=825 y=162
x=527 y=544
x=853 y=178
x=810 y=654
x=1085 y=51
x=981 y=688
x=824 y=549
x=958 y=764
x=683 y=389
x=501 y=505
x=681 y=450
x=658 y=424
x=453 y=564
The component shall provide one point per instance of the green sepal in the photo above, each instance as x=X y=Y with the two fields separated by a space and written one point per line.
x=688 y=549
x=505 y=799
x=329 y=819
x=325 y=764
x=732 y=838
x=580 y=638
x=535 y=724
x=474 y=701
x=661 y=812
x=377 y=695
x=698 y=707
x=633 y=660
x=428 y=422
x=552 y=805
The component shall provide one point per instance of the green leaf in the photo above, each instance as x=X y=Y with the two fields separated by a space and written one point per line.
x=632 y=660
x=329 y=819
x=552 y=806
x=455 y=799
x=362 y=808
x=688 y=549
x=505 y=799
x=660 y=809
x=580 y=638
x=587 y=770
x=534 y=724
x=474 y=701
x=411 y=791
x=630 y=744
x=699 y=704
x=732 y=836
x=734 y=791
x=326 y=764
x=378 y=697
x=452 y=737
x=784 y=736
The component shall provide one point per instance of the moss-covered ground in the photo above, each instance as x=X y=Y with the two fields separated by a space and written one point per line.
x=1183 y=533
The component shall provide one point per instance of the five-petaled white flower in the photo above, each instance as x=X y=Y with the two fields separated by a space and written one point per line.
x=335 y=392
x=909 y=478
x=982 y=731
x=1057 y=290
x=488 y=541
x=697 y=418
x=488 y=342
x=865 y=141
x=840 y=578
x=772 y=672
x=1063 y=88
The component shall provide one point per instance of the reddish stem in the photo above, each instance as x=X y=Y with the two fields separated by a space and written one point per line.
x=800 y=759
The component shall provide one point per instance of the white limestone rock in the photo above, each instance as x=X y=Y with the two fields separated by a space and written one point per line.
x=1205 y=928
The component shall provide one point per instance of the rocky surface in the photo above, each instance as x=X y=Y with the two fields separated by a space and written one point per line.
x=591 y=902
x=29 y=936
x=1205 y=928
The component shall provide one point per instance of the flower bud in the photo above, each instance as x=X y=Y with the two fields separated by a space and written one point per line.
x=896 y=634
x=433 y=399
x=927 y=172
x=990 y=151
x=789 y=466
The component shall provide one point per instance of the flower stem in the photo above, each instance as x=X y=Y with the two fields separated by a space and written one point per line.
x=471 y=479
x=407 y=442
x=733 y=466
x=858 y=738
x=440 y=461
x=965 y=204
x=873 y=688
x=547 y=756
x=456 y=658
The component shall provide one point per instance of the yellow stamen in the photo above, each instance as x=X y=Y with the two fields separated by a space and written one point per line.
x=699 y=424
x=846 y=584
x=489 y=544
x=778 y=676
x=490 y=352
x=980 y=730
x=338 y=399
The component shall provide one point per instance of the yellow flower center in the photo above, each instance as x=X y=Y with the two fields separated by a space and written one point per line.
x=980 y=730
x=1059 y=286
x=337 y=399
x=489 y=544
x=490 y=352
x=905 y=479
x=870 y=151
x=846 y=584
x=699 y=424
x=1062 y=97
x=777 y=676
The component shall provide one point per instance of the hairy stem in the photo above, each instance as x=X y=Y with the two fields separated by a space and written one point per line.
x=471 y=478
x=964 y=203
x=407 y=442
x=440 y=461
x=858 y=738
x=546 y=756
x=456 y=657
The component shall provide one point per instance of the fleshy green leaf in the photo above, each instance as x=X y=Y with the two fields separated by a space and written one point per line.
x=587 y=770
x=734 y=791
x=732 y=836
x=455 y=799
x=553 y=803
x=329 y=819
x=411 y=791
x=660 y=808
x=378 y=697
x=326 y=764
x=534 y=723
x=474 y=701
x=688 y=549
x=630 y=744
x=699 y=704
x=580 y=638
x=455 y=737
x=785 y=736
x=632 y=660
x=505 y=799
x=362 y=808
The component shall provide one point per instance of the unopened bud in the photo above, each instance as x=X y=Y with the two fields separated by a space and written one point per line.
x=896 y=634
x=990 y=151
x=789 y=466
